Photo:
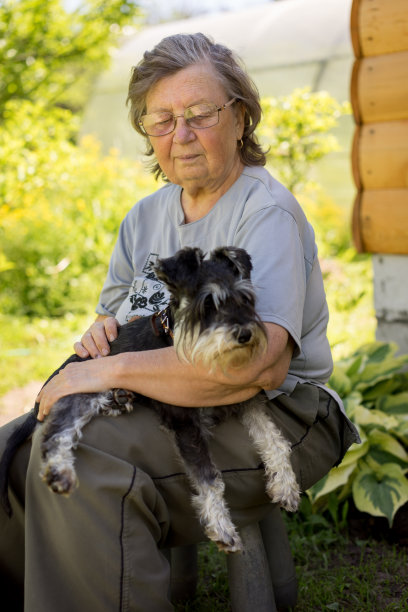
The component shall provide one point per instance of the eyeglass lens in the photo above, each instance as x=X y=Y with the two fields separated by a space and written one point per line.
x=199 y=116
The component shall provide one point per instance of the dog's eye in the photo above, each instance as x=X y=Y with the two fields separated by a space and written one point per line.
x=209 y=303
x=247 y=300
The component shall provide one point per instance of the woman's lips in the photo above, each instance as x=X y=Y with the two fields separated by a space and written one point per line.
x=187 y=158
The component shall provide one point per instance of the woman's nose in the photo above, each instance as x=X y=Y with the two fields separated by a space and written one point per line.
x=183 y=132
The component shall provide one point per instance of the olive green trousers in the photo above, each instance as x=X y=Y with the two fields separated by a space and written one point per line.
x=100 y=549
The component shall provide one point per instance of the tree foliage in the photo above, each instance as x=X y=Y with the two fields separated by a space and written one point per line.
x=50 y=55
x=60 y=202
x=297 y=130
x=60 y=208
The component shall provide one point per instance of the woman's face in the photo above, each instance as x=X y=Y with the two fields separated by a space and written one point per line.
x=199 y=160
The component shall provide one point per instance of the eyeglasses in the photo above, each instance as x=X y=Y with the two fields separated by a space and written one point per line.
x=199 y=117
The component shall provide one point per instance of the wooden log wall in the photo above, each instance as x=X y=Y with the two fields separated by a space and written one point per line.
x=379 y=97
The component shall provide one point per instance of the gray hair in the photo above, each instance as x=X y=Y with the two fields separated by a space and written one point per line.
x=176 y=52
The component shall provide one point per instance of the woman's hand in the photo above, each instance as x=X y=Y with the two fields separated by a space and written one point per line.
x=95 y=341
x=82 y=377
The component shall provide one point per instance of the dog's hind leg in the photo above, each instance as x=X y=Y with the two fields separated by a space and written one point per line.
x=274 y=450
x=206 y=481
x=63 y=429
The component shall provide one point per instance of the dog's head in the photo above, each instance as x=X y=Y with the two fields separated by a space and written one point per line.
x=213 y=305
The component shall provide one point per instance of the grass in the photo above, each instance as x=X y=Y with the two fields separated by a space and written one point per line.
x=360 y=575
x=335 y=572
x=30 y=349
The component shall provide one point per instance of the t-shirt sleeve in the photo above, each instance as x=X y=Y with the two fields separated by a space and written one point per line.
x=271 y=236
x=120 y=273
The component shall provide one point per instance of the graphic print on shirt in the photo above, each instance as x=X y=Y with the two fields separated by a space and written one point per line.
x=147 y=294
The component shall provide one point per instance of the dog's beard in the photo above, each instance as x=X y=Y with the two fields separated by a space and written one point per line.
x=218 y=346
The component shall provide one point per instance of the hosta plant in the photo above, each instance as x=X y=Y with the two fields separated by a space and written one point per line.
x=373 y=383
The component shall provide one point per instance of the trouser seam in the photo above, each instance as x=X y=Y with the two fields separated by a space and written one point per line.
x=225 y=471
x=122 y=548
x=315 y=422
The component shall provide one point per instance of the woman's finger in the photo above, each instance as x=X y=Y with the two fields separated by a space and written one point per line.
x=80 y=350
x=111 y=328
x=89 y=343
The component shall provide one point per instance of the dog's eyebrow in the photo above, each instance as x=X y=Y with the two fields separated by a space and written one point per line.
x=219 y=294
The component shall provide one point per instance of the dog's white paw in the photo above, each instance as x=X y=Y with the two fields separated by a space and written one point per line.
x=215 y=517
x=284 y=490
x=61 y=481
x=227 y=541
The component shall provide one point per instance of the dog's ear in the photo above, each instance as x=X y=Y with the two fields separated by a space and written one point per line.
x=237 y=259
x=181 y=270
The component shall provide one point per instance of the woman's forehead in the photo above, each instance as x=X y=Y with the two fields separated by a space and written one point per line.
x=192 y=85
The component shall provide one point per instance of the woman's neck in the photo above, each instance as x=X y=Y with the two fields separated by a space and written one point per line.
x=197 y=203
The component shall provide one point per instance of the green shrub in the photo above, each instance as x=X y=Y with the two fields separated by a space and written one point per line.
x=61 y=209
x=296 y=128
x=373 y=383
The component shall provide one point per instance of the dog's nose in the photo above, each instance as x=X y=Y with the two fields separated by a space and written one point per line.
x=244 y=336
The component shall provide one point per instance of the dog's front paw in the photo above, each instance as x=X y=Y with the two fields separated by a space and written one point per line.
x=215 y=517
x=230 y=544
x=224 y=534
x=284 y=490
x=116 y=402
x=61 y=481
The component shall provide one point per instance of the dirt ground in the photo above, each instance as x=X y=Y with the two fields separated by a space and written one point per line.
x=18 y=401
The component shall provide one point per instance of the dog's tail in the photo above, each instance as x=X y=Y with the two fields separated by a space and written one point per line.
x=17 y=437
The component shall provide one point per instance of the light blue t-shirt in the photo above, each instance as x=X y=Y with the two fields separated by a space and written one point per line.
x=258 y=214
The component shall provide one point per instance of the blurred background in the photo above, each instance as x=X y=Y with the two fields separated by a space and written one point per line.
x=72 y=165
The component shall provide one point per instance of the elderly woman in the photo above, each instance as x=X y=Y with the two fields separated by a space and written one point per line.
x=100 y=549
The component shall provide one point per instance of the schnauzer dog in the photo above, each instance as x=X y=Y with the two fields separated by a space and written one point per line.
x=210 y=319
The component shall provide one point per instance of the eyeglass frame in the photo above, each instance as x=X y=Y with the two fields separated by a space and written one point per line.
x=175 y=117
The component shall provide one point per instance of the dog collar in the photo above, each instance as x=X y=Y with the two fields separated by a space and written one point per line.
x=163 y=318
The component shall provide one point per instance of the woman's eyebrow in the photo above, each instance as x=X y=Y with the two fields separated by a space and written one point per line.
x=161 y=109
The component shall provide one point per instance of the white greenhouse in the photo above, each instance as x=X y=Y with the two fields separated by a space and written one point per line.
x=284 y=45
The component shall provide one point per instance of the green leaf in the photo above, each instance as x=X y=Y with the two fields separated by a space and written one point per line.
x=355 y=366
x=386 y=442
x=337 y=477
x=364 y=416
x=381 y=456
x=383 y=388
x=340 y=382
x=377 y=351
x=394 y=404
x=355 y=452
x=382 y=491
x=351 y=403
x=381 y=351
x=376 y=371
x=402 y=432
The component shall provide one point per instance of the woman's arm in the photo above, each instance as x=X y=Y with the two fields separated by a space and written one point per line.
x=161 y=375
